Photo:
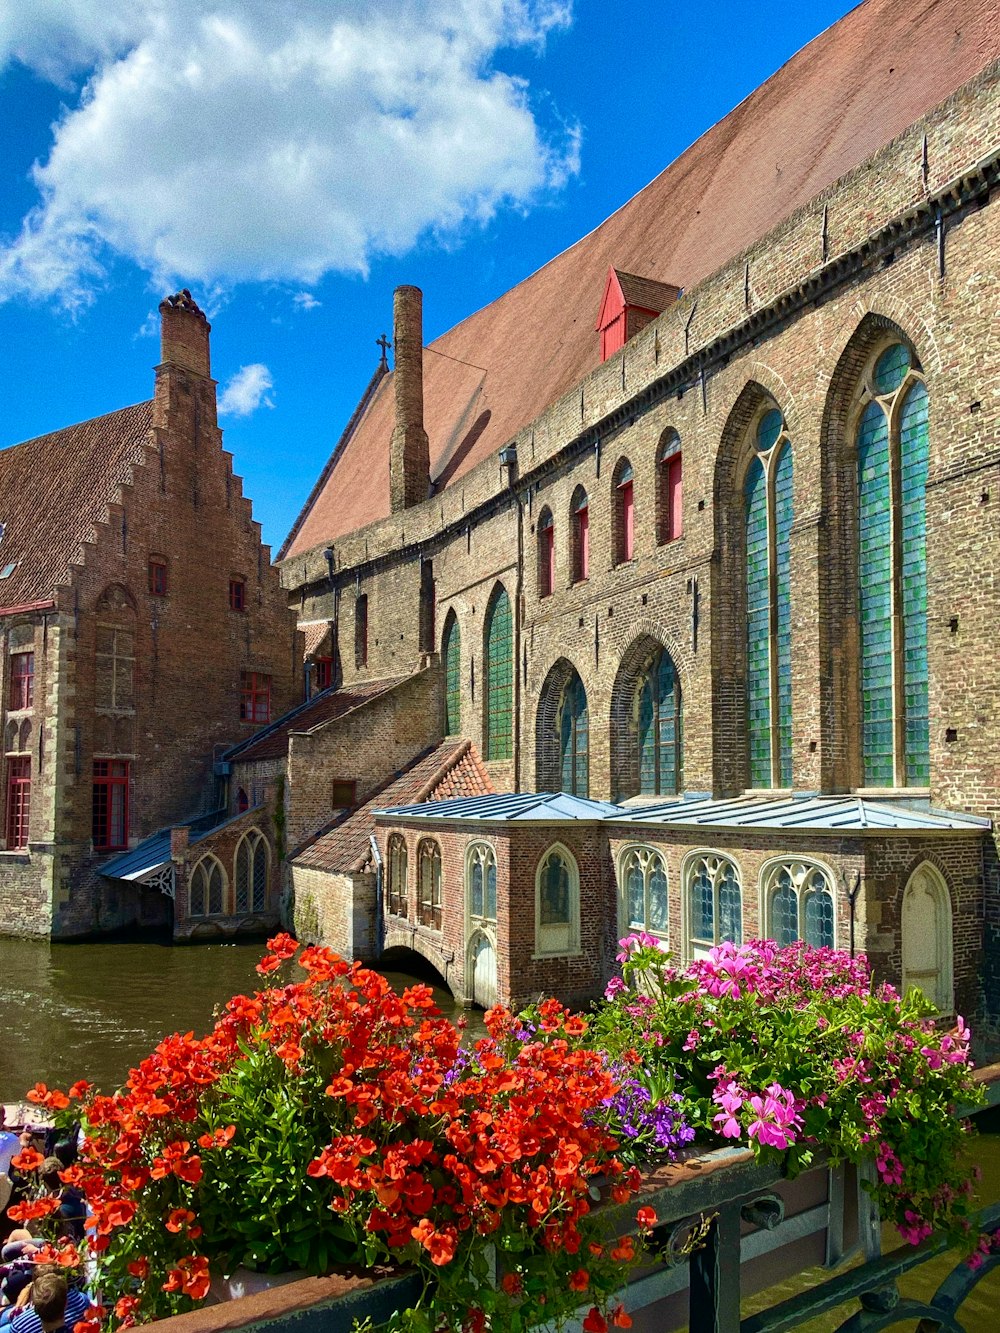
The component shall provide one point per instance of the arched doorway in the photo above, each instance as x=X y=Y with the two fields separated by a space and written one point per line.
x=927 y=937
x=482 y=970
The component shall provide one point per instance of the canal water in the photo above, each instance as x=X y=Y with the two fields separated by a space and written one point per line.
x=70 y=1011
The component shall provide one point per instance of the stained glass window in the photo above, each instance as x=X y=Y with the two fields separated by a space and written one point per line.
x=251 y=873
x=643 y=880
x=799 y=905
x=574 y=739
x=453 y=679
x=206 y=891
x=768 y=515
x=659 y=724
x=396 y=889
x=429 y=883
x=893 y=446
x=481 y=864
x=499 y=677
x=557 y=904
x=715 y=904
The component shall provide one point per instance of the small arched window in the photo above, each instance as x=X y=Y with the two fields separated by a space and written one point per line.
x=546 y=554
x=928 y=940
x=580 y=535
x=481 y=882
x=252 y=865
x=715 y=904
x=893 y=449
x=557 y=904
x=668 y=481
x=642 y=883
x=659 y=703
x=624 y=512
x=798 y=905
x=767 y=494
x=429 y=883
x=207 y=888
x=452 y=677
x=361 y=630
x=396 y=896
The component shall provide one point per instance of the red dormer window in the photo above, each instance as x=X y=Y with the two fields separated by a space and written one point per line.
x=629 y=303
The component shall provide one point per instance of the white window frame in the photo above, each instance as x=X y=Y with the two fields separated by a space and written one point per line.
x=688 y=867
x=801 y=867
x=558 y=941
x=944 y=929
x=646 y=855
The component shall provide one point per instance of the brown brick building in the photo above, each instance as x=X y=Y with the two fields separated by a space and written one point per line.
x=736 y=543
x=143 y=630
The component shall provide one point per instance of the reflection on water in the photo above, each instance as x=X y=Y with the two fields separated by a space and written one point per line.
x=70 y=1011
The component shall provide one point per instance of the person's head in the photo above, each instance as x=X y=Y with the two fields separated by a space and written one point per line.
x=48 y=1294
x=50 y=1173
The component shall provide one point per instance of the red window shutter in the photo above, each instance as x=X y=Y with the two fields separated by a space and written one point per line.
x=583 y=518
x=673 y=497
x=628 y=521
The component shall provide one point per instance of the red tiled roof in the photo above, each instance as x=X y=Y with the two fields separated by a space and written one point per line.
x=272 y=743
x=646 y=293
x=451 y=769
x=828 y=109
x=55 y=489
x=315 y=633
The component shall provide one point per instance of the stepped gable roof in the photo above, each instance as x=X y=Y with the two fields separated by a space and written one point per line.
x=55 y=489
x=831 y=107
x=271 y=742
x=451 y=768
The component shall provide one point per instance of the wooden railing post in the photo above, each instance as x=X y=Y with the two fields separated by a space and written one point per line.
x=715 y=1276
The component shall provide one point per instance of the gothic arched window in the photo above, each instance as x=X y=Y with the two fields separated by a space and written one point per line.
x=768 y=508
x=252 y=873
x=659 y=704
x=452 y=677
x=574 y=739
x=207 y=888
x=481 y=881
x=715 y=904
x=670 y=523
x=642 y=879
x=557 y=903
x=396 y=894
x=893 y=448
x=928 y=941
x=580 y=536
x=546 y=553
x=624 y=512
x=798 y=905
x=429 y=883
x=499 y=691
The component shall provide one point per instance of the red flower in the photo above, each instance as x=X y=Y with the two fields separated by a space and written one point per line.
x=647 y=1219
x=80 y=1088
x=512 y=1284
x=580 y=1280
x=620 y=1317
x=179 y=1219
x=595 y=1322
x=219 y=1139
x=52 y=1100
x=139 y=1267
x=28 y=1159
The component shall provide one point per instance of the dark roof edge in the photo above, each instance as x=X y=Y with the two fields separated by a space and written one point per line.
x=381 y=371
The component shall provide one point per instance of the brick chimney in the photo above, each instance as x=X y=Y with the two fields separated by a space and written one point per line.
x=184 y=334
x=409 y=455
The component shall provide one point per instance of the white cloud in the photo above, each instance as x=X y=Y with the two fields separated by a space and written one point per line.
x=246 y=140
x=305 y=301
x=248 y=389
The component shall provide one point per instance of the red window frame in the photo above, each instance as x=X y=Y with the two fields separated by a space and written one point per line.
x=157 y=577
x=672 y=483
x=22 y=681
x=255 y=697
x=237 y=594
x=18 y=802
x=627 y=501
x=582 y=521
x=324 y=672
x=111 y=805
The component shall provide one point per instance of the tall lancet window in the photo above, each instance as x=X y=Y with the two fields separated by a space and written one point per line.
x=768 y=509
x=893 y=447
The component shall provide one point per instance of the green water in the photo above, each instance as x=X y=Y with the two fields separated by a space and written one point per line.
x=70 y=1011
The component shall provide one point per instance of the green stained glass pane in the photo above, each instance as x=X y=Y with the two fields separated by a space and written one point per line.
x=783 y=626
x=702 y=906
x=667 y=739
x=758 y=628
x=784 y=912
x=730 y=907
x=875 y=597
x=499 y=677
x=573 y=739
x=555 y=892
x=658 y=897
x=768 y=430
x=453 y=681
x=914 y=447
x=647 y=738
x=490 y=906
x=891 y=368
x=635 y=892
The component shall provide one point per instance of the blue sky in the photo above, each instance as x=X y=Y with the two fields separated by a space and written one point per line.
x=293 y=163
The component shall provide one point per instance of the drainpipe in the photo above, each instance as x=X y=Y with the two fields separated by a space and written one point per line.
x=518 y=601
x=379 y=918
x=852 y=899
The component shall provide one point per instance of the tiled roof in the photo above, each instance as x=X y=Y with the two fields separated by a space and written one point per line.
x=645 y=293
x=55 y=489
x=805 y=813
x=272 y=741
x=834 y=104
x=316 y=633
x=453 y=766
